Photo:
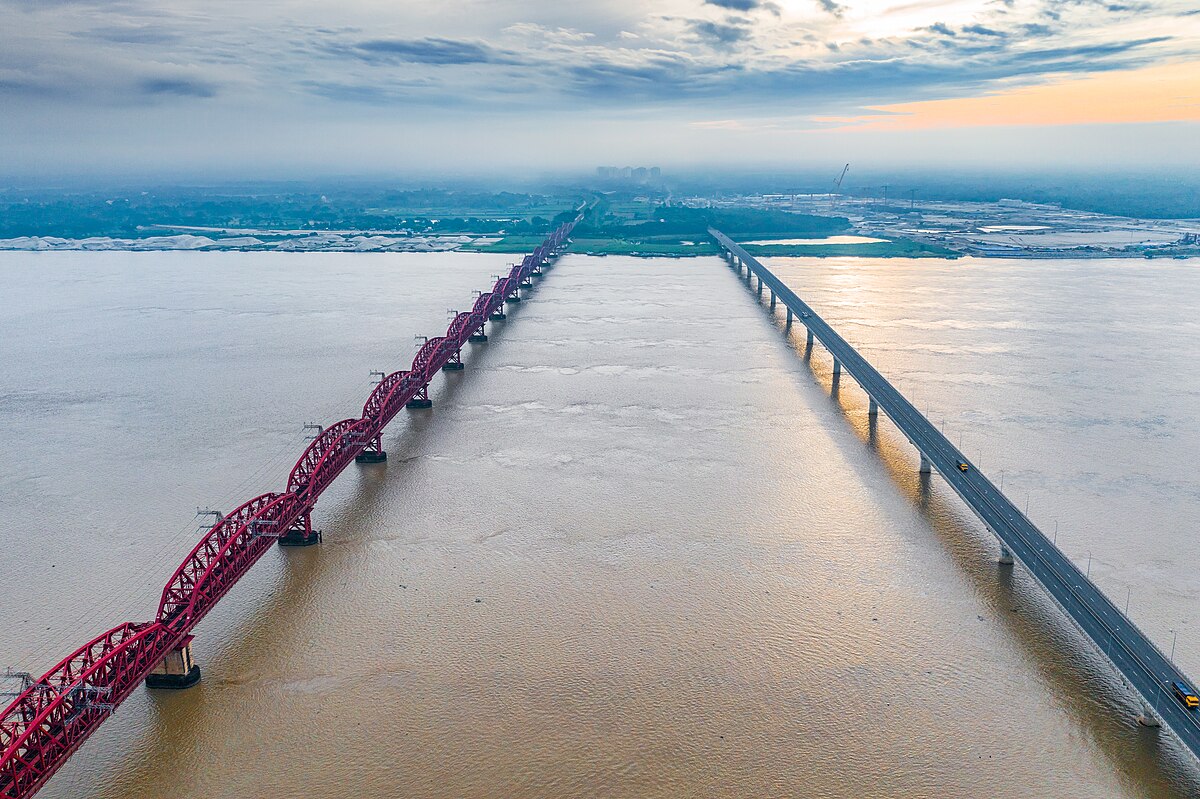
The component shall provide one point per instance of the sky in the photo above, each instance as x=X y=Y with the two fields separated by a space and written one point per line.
x=274 y=88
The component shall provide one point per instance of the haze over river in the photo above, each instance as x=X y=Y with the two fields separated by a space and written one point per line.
x=636 y=549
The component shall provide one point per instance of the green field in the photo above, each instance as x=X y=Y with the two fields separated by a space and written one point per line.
x=673 y=247
x=895 y=248
x=648 y=248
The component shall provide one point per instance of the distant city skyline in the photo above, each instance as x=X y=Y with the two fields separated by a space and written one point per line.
x=184 y=87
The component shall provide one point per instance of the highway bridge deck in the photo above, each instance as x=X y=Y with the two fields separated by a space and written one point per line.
x=1140 y=663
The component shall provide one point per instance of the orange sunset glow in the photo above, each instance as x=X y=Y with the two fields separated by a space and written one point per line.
x=1164 y=93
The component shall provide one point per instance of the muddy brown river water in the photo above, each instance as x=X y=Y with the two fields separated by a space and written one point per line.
x=638 y=548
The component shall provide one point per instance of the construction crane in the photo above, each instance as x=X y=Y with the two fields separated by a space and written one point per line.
x=838 y=183
x=841 y=177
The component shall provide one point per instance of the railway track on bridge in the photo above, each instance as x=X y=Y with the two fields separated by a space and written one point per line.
x=54 y=714
x=1140 y=663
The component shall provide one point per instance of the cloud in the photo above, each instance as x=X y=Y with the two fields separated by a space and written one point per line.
x=733 y=30
x=429 y=51
x=178 y=87
x=66 y=63
x=980 y=30
x=131 y=34
x=831 y=7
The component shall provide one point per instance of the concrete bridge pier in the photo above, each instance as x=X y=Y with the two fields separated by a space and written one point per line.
x=478 y=336
x=926 y=465
x=421 y=400
x=789 y=319
x=373 y=453
x=872 y=407
x=1006 y=556
x=1148 y=717
x=455 y=363
x=177 y=670
x=772 y=300
x=837 y=368
x=498 y=315
x=809 y=342
x=302 y=534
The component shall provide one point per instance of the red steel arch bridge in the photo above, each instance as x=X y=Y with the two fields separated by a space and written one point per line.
x=54 y=714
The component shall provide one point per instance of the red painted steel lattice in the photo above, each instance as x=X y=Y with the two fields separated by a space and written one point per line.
x=55 y=714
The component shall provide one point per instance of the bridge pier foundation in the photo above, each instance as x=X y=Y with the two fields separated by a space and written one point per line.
x=421 y=400
x=177 y=670
x=872 y=407
x=837 y=368
x=1148 y=717
x=455 y=363
x=301 y=535
x=809 y=342
x=498 y=315
x=926 y=465
x=772 y=300
x=789 y=319
x=373 y=453
x=1006 y=557
x=760 y=287
x=478 y=336
x=516 y=295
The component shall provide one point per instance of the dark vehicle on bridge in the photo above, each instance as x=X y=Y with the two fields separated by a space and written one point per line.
x=1185 y=695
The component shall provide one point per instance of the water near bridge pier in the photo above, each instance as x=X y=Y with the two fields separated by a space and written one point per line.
x=635 y=549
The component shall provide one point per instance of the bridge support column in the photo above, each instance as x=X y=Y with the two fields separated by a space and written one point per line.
x=373 y=453
x=478 y=336
x=926 y=466
x=302 y=534
x=760 y=287
x=455 y=363
x=177 y=670
x=872 y=407
x=1148 y=717
x=789 y=319
x=421 y=400
x=498 y=315
x=516 y=295
x=1006 y=557
x=772 y=300
x=837 y=368
x=810 y=338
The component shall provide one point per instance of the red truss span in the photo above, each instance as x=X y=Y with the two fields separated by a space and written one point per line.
x=54 y=714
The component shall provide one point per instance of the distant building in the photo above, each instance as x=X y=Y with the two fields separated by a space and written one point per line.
x=640 y=174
